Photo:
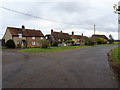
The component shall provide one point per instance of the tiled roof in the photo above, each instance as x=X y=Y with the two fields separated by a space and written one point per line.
x=99 y=36
x=61 y=35
x=25 y=32
x=76 y=36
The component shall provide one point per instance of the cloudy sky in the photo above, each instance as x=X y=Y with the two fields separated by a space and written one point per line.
x=75 y=15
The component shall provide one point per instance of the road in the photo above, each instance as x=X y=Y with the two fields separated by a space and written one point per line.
x=78 y=68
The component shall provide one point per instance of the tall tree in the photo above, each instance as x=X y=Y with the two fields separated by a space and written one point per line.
x=116 y=9
x=111 y=39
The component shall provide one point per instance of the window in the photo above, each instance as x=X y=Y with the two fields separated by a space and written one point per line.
x=41 y=38
x=33 y=37
x=46 y=37
x=20 y=35
x=33 y=43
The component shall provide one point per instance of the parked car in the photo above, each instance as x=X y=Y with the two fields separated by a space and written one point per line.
x=76 y=44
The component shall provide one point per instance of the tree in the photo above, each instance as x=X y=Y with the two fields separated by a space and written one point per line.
x=111 y=39
x=10 y=44
x=116 y=9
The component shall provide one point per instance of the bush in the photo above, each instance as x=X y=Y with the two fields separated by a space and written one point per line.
x=44 y=43
x=10 y=44
x=100 y=41
x=111 y=41
x=88 y=41
x=56 y=43
x=69 y=41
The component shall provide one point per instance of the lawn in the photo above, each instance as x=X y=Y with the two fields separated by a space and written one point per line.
x=116 y=55
x=51 y=49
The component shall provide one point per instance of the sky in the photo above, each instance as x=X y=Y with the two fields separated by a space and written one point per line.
x=61 y=15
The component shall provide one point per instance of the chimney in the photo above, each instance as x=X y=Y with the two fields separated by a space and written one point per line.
x=82 y=34
x=51 y=31
x=23 y=27
x=72 y=32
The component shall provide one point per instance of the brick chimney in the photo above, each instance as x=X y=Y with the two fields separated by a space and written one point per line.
x=23 y=27
x=72 y=32
x=51 y=31
x=82 y=34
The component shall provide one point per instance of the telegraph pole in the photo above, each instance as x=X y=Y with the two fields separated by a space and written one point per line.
x=94 y=29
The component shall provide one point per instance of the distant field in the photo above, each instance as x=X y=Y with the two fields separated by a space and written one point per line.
x=50 y=49
x=117 y=43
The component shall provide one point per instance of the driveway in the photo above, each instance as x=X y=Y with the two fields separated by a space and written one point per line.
x=78 y=68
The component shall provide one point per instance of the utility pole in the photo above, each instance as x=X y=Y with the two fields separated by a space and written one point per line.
x=94 y=29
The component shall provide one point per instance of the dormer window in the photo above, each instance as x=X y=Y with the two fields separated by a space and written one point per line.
x=20 y=34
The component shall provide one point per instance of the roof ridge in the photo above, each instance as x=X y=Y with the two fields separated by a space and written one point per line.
x=25 y=29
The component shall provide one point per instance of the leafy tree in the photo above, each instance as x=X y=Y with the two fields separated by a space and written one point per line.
x=111 y=39
x=116 y=9
x=10 y=44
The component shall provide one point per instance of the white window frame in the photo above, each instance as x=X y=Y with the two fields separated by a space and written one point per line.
x=33 y=37
x=20 y=35
x=33 y=43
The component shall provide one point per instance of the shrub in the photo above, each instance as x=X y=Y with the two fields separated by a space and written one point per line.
x=100 y=41
x=111 y=41
x=69 y=41
x=88 y=41
x=10 y=44
x=56 y=43
x=44 y=43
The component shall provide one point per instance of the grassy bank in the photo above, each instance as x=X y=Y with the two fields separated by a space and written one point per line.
x=115 y=56
x=51 y=49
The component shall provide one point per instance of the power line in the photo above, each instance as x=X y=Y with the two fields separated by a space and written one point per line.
x=36 y=16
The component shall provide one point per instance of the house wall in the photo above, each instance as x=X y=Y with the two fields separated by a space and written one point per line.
x=7 y=35
x=30 y=40
x=76 y=40
x=16 y=39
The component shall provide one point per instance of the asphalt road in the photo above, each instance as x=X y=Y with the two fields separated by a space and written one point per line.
x=78 y=68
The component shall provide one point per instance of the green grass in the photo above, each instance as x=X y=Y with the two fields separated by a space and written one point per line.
x=51 y=49
x=103 y=44
x=116 y=55
x=117 y=43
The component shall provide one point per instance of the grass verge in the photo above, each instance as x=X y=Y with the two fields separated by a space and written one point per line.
x=50 y=49
x=114 y=58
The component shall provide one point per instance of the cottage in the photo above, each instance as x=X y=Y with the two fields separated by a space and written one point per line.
x=58 y=36
x=78 y=38
x=95 y=37
x=23 y=37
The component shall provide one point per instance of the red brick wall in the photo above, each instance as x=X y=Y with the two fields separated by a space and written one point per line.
x=30 y=40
